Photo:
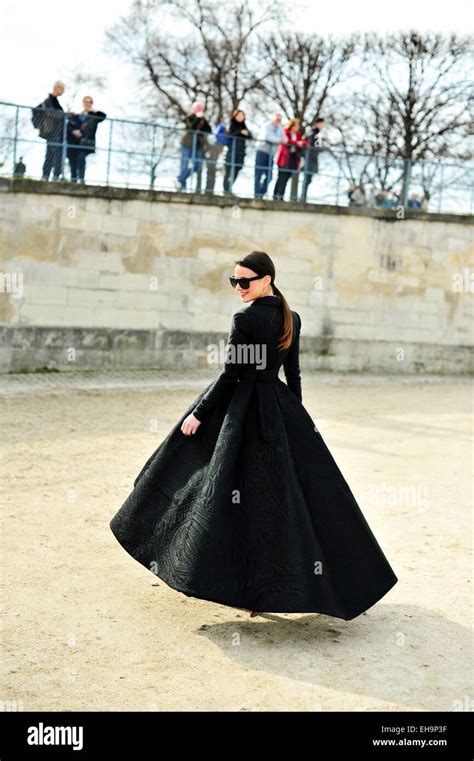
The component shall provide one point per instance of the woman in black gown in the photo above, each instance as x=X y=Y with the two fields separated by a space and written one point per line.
x=242 y=503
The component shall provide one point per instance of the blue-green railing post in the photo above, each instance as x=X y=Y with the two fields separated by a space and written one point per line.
x=64 y=146
x=406 y=181
x=153 y=158
x=15 y=139
x=232 y=162
x=441 y=188
x=109 y=152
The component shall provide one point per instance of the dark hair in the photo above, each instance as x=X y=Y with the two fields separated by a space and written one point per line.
x=318 y=119
x=260 y=263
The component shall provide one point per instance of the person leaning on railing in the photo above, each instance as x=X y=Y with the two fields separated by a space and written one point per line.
x=357 y=195
x=82 y=129
x=192 y=144
x=271 y=136
x=238 y=133
x=311 y=153
x=288 y=157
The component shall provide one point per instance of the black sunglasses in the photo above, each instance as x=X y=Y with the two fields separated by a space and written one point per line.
x=244 y=282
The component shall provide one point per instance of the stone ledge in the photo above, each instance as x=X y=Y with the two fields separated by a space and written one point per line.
x=29 y=349
x=107 y=192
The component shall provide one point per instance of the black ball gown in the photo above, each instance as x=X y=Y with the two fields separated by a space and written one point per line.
x=252 y=511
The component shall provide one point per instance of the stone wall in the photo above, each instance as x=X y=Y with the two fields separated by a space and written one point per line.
x=125 y=278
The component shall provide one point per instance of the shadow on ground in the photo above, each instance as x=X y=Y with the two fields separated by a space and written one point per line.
x=380 y=654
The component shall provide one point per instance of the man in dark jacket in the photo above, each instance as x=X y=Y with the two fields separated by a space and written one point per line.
x=238 y=133
x=50 y=117
x=82 y=129
x=192 y=144
x=311 y=166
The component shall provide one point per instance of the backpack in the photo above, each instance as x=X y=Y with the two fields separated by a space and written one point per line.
x=37 y=115
x=222 y=138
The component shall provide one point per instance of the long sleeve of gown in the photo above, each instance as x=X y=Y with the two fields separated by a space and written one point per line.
x=239 y=334
x=291 y=364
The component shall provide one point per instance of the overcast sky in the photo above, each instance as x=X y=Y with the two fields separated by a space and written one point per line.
x=42 y=40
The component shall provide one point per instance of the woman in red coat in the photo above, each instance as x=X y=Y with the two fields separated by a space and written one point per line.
x=288 y=156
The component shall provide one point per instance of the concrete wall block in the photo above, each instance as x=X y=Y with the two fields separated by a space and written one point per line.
x=102 y=261
x=6 y=353
x=114 y=317
x=211 y=321
x=207 y=254
x=351 y=316
x=294 y=264
x=119 y=225
x=174 y=320
x=143 y=283
x=80 y=220
x=39 y=293
x=91 y=297
x=382 y=333
x=77 y=278
x=152 y=300
x=111 y=282
x=435 y=295
x=298 y=298
x=61 y=315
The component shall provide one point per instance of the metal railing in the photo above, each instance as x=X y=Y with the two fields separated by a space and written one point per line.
x=151 y=155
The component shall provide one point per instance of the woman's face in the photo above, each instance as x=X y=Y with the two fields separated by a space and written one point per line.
x=254 y=291
x=240 y=116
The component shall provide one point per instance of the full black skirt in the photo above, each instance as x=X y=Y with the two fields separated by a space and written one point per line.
x=252 y=512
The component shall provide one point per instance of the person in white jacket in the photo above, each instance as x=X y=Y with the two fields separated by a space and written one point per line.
x=271 y=135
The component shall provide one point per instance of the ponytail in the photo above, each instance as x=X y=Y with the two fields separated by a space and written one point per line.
x=287 y=334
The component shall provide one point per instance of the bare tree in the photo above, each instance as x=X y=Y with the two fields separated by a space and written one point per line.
x=141 y=149
x=304 y=70
x=416 y=108
x=364 y=145
x=213 y=60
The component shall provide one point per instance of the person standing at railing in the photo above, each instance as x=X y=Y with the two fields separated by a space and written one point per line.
x=19 y=169
x=311 y=162
x=357 y=195
x=238 y=134
x=288 y=157
x=48 y=118
x=82 y=129
x=271 y=136
x=212 y=150
x=192 y=144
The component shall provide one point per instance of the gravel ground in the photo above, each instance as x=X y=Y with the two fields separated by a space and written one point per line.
x=88 y=628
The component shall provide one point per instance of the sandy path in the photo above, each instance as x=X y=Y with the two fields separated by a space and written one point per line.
x=88 y=628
